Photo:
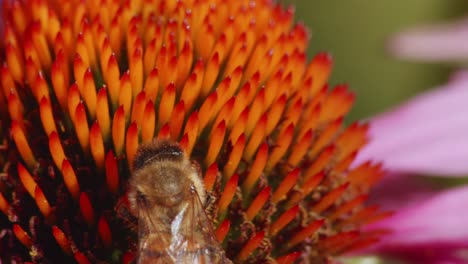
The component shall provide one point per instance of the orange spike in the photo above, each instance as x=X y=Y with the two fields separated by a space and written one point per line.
x=4 y=205
x=7 y=82
x=273 y=85
x=81 y=258
x=131 y=143
x=239 y=125
x=22 y=236
x=304 y=233
x=191 y=130
x=22 y=144
x=294 y=111
x=112 y=77
x=320 y=162
x=256 y=111
x=89 y=93
x=205 y=42
x=60 y=79
x=223 y=230
x=211 y=73
x=216 y=142
x=282 y=145
x=164 y=132
x=152 y=85
x=239 y=105
x=31 y=54
x=347 y=207
x=15 y=107
x=185 y=61
x=118 y=130
x=210 y=176
x=166 y=104
x=227 y=196
x=256 y=169
x=82 y=51
x=102 y=113
x=312 y=182
x=184 y=143
x=56 y=149
x=234 y=158
x=251 y=245
x=206 y=110
x=70 y=180
x=97 y=145
x=326 y=136
x=125 y=94
x=62 y=240
x=365 y=175
x=283 y=220
x=40 y=44
x=136 y=71
x=14 y=61
x=290 y=258
x=150 y=55
x=330 y=198
x=42 y=203
x=86 y=209
x=104 y=232
x=139 y=108
x=177 y=120
x=149 y=124
x=352 y=139
x=191 y=89
x=27 y=180
x=79 y=70
x=309 y=120
x=300 y=149
x=336 y=104
x=256 y=138
x=81 y=127
x=73 y=100
x=319 y=69
x=112 y=173
x=286 y=185
x=225 y=112
x=40 y=87
x=341 y=166
x=275 y=113
x=258 y=203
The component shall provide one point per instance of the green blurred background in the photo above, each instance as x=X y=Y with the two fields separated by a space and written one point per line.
x=355 y=32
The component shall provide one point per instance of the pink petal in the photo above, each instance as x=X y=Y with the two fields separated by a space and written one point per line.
x=435 y=227
x=445 y=42
x=426 y=135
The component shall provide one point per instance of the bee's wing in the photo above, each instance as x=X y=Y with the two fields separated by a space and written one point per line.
x=188 y=238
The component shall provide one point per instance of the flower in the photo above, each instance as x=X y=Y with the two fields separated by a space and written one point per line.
x=86 y=82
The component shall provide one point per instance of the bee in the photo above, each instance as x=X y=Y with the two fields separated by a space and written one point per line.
x=166 y=195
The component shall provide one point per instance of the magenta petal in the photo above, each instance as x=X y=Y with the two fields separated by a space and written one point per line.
x=445 y=42
x=426 y=135
x=437 y=227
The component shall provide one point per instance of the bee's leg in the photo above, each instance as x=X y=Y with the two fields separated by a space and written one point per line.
x=211 y=206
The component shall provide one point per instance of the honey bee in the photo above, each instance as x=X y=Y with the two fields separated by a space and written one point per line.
x=166 y=194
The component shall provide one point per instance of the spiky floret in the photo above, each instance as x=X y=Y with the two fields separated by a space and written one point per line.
x=86 y=82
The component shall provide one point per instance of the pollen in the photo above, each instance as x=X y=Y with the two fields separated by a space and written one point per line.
x=84 y=83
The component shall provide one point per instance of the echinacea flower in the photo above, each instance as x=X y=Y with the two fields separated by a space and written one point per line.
x=85 y=82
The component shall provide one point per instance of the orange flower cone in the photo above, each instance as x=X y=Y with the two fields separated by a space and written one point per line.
x=85 y=82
